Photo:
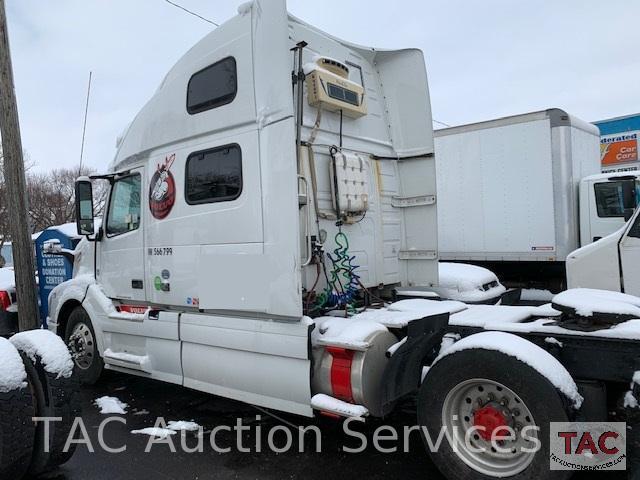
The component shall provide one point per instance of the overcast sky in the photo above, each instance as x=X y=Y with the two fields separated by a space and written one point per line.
x=485 y=59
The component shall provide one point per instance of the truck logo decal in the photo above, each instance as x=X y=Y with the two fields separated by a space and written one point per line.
x=162 y=189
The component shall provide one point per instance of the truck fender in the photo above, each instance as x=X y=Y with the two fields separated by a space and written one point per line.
x=403 y=373
x=525 y=351
x=62 y=299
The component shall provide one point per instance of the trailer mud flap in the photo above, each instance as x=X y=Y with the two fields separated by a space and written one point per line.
x=403 y=373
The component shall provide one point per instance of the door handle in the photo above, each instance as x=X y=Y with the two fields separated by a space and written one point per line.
x=137 y=284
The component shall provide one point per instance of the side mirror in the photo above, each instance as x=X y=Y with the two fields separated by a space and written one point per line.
x=84 y=206
x=629 y=194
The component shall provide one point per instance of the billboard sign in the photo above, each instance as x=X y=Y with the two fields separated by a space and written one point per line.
x=619 y=152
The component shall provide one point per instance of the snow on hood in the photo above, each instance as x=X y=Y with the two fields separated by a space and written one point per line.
x=465 y=283
x=453 y=275
x=587 y=302
x=7 y=279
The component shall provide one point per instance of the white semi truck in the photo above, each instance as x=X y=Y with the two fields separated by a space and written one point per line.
x=255 y=237
x=518 y=194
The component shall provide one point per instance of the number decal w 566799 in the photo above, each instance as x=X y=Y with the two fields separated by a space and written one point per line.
x=160 y=251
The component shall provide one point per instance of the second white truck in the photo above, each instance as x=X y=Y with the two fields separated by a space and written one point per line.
x=518 y=194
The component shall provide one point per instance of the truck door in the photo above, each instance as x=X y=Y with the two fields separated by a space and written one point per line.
x=630 y=257
x=120 y=264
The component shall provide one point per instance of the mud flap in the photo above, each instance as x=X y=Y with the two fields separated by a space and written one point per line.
x=403 y=373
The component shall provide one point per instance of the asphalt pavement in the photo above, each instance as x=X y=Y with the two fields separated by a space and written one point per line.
x=147 y=400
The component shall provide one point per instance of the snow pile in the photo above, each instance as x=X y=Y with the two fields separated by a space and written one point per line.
x=630 y=400
x=586 y=302
x=459 y=281
x=353 y=332
x=183 y=425
x=155 y=432
x=553 y=341
x=426 y=308
x=7 y=279
x=394 y=348
x=49 y=347
x=12 y=372
x=171 y=429
x=345 y=332
x=399 y=314
x=486 y=316
x=111 y=406
x=71 y=229
x=525 y=351
x=329 y=404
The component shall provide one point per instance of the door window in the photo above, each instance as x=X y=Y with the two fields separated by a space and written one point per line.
x=124 y=206
x=609 y=199
x=214 y=175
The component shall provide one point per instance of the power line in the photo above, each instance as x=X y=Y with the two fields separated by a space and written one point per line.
x=191 y=13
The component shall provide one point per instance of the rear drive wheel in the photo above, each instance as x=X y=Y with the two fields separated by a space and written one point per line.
x=492 y=392
x=81 y=340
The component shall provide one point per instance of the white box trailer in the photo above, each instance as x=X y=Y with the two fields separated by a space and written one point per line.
x=508 y=191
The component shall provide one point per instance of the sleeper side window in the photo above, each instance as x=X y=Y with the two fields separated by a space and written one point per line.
x=214 y=175
x=124 y=206
x=213 y=86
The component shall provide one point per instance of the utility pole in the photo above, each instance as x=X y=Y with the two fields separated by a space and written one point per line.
x=14 y=177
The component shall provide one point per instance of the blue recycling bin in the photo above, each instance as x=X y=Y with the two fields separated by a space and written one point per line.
x=53 y=269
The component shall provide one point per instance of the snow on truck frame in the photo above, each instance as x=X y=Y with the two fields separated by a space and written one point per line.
x=251 y=233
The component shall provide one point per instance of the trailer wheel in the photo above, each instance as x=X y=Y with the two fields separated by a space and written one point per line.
x=489 y=390
x=53 y=398
x=16 y=424
x=80 y=337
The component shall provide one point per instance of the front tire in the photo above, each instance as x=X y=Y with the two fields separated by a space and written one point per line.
x=489 y=389
x=80 y=337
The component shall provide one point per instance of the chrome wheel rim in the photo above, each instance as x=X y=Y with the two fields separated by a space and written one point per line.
x=82 y=346
x=480 y=402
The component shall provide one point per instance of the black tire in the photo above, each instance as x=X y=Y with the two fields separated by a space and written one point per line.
x=541 y=397
x=16 y=429
x=54 y=397
x=86 y=375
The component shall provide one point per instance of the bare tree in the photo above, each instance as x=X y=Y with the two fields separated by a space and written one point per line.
x=52 y=196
